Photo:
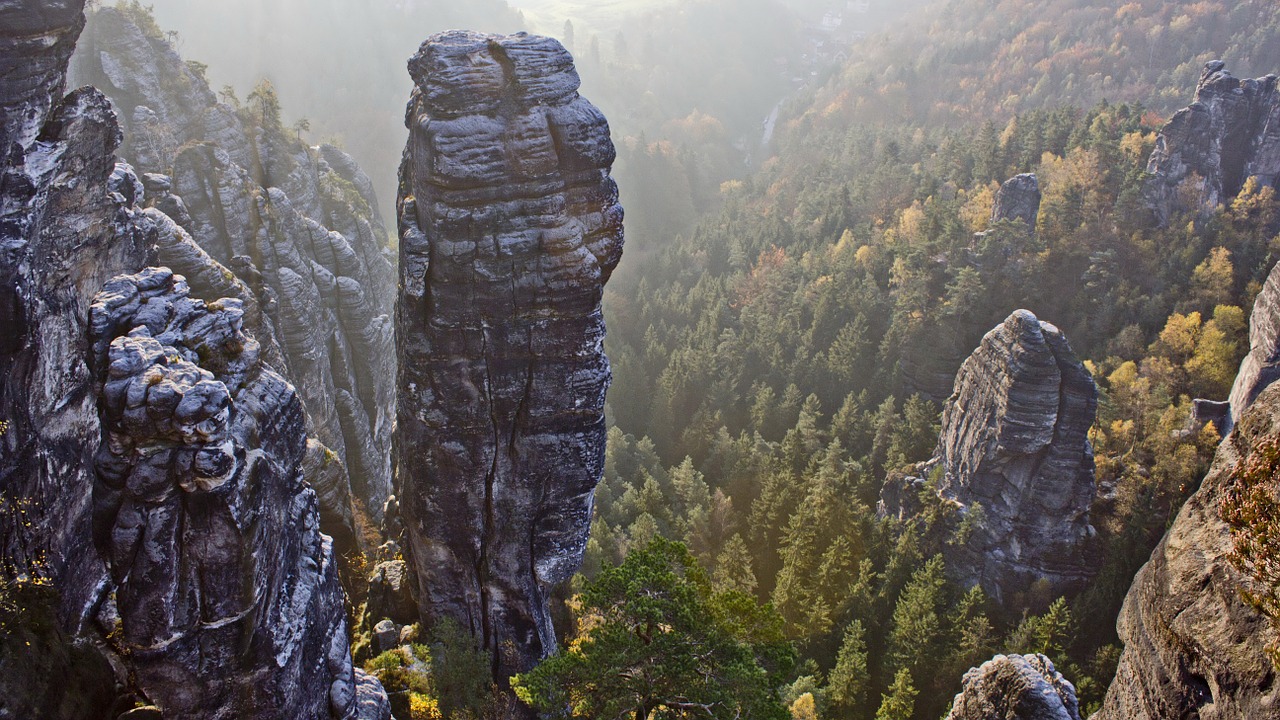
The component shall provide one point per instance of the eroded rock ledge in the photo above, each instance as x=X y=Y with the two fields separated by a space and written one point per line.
x=224 y=590
x=1015 y=687
x=509 y=228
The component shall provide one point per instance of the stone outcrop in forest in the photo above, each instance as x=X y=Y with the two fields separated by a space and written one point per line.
x=1015 y=687
x=1014 y=455
x=1018 y=199
x=294 y=229
x=1208 y=150
x=509 y=228
x=1193 y=646
x=224 y=592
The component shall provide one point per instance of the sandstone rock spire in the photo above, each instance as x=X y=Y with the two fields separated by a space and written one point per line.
x=509 y=228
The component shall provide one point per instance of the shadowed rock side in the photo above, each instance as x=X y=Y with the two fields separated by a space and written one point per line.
x=63 y=233
x=509 y=228
x=295 y=226
x=1230 y=133
x=1261 y=366
x=1018 y=199
x=1193 y=647
x=1015 y=687
x=1014 y=442
x=224 y=590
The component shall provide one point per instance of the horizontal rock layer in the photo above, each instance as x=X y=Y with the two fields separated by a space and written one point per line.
x=1014 y=442
x=297 y=227
x=509 y=228
x=224 y=591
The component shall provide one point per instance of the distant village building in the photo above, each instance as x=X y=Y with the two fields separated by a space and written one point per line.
x=861 y=7
x=832 y=21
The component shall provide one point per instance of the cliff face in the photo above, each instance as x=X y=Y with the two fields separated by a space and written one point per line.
x=1193 y=647
x=1014 y=442
x=1261 y=366
x=1229 y=134
x=1018 y=199
x=224 y=591
x=1015 y=687
x=63 y=233
x=295 y=226
x=509 y=228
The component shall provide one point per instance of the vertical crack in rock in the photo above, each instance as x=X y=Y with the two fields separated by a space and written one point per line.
x=226 y=591
x=509 y=228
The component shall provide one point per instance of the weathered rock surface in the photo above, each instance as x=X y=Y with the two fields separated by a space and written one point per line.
x=509 y=228
x=1261 y=366
x=1230 y=133
x=1014 y=443
x=1015 y=687
x=226 y=592
x=1018 y=199
x=1193 y=647
x=64 y=231
x=295 y=229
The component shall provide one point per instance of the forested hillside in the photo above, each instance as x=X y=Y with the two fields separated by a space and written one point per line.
x=776 y=364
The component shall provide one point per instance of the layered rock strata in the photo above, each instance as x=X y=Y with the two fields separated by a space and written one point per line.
x=296 y=226
x=1015 y=687
x=223 y=589
x=509 y=228
x=1014 y=456
x=1206 y=152
x=64 y=231
x=1193 y=647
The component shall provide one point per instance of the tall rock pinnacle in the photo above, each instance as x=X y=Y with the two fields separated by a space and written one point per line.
x=1014 y=454
x=509 y=228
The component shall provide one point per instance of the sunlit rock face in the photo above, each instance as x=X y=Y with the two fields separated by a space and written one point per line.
x=63 y=233
x=1193 y=648
x=1207 y=151
x=509 y=228
x=1018 y=199
x=225 y=591
x=295 y=226
x=1261 y=366
x=1015 y=687
x=1014 y=441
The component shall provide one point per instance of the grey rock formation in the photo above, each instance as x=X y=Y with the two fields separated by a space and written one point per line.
x=1014 y=442
x=1261 y=366
x=1230 y=133
x=1193 y=647
x=1018 y=199
x=295 y=229
x=1015 y=687
x=64 y=231
x=226 y=592
x=509 y=228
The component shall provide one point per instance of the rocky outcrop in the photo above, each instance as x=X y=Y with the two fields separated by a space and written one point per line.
x=1018 y=199
x=1193 y=647
x=1014 y=456
x=1208 y=150
x=64 y=231
x=1015 y=687
x=1261 y=366
x=509 y=228
x=224 y=592
x=294 y=229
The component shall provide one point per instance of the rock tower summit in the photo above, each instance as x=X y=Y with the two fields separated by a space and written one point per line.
x=509 y=228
